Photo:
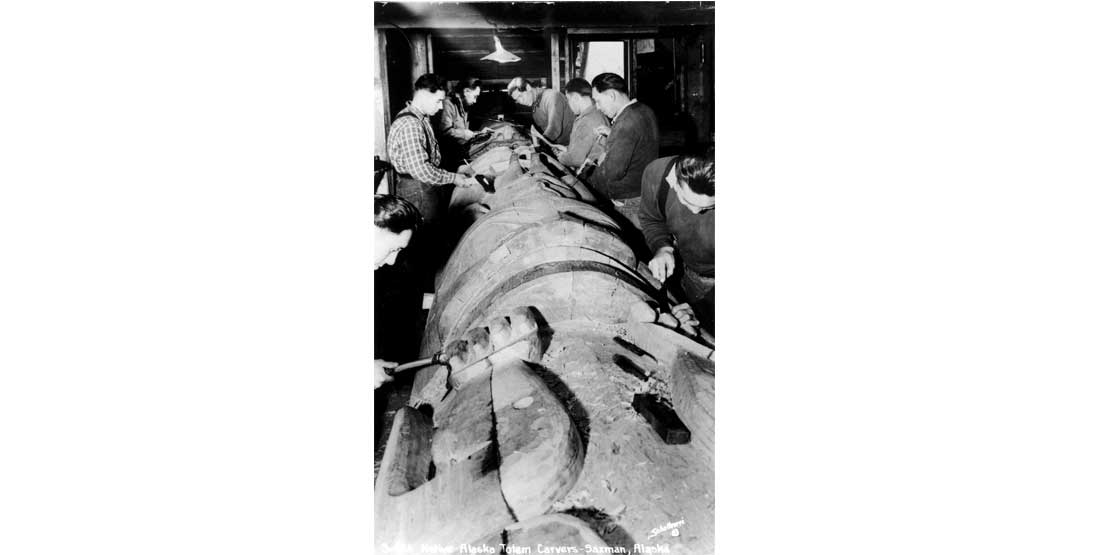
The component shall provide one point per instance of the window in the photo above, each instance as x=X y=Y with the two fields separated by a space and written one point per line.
x=596 y=57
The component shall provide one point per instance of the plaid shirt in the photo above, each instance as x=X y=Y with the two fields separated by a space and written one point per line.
x=413 y=149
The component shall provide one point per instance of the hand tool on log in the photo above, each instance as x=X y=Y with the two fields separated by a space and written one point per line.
x=630 y=368
x=588 y=162
x=633 y=348
x=437 y=358
x=541 y=140
x=668 y=300
x=662 y=418
x=486 y=182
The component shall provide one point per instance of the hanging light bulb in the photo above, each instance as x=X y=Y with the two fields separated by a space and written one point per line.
x=500 y=55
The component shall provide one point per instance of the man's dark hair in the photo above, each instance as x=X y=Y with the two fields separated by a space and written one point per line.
x=696 y=169
x=429 y=82
x=395 y=214
x=469 y=83
x=605 y=81
x=579 y=86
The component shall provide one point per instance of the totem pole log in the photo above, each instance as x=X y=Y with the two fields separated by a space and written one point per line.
x=526 y=436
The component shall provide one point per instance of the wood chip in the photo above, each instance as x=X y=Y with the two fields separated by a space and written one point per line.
x=523 y=403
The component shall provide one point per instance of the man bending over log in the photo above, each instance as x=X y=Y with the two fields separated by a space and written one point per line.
x=414 y=154
x=395 y=221
x=682 y=224
x=550 y=109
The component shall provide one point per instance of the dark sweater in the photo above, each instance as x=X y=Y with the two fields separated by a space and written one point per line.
x=693 y=233
x=631 y=145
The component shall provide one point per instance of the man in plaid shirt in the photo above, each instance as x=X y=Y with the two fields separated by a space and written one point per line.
x=414 y=152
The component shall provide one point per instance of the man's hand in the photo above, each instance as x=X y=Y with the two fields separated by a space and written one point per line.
x=467 y=134
x=663 y=264
x=464 y=181
x=380 y=375
x=558 y=149
x=467 y=170
x=686 y=316
x=603 y=130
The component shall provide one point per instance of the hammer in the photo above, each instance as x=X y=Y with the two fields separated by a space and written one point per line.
x=437 y=358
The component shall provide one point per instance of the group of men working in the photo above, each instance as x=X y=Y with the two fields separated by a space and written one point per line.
x=608 y=138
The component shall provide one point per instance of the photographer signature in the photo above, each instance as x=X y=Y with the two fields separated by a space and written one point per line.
x=673 y=526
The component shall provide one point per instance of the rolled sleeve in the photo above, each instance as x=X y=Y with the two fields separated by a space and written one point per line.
x=408 y=155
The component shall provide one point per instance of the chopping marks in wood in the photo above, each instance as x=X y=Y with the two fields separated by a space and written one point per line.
x=620 y=442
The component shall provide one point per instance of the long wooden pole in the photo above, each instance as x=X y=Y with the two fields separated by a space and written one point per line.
x=381 y=104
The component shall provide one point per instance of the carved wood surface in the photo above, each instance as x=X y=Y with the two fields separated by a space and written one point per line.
x=439 y=510
x=693 y=399
x=554 y=530
x=557 y=434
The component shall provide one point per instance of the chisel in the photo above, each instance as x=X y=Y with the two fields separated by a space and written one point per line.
x=437 y=358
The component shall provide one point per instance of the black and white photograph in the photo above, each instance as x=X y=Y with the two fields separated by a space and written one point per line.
x=210 y=346
x=545 y=214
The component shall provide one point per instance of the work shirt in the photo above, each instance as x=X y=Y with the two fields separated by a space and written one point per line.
x=455 y=121
x=632 y=145
x=552 y=116
x=583 y=141
x=693 y=234
x=413 y=150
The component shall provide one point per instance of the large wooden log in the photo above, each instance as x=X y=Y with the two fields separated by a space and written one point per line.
x=540 y=451
x=411 y=510
x=693 y=398
x=542 y=250
x=531 y=421
x=503 y=449
x=555 y=530
x=489 y=231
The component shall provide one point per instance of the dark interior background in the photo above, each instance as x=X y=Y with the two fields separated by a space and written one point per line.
x=676 y=79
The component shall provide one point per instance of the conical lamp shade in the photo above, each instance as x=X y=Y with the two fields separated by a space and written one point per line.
x=500 y=55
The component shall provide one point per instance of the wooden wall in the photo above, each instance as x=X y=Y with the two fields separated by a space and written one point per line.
x=676 y=79
x=457 y=53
